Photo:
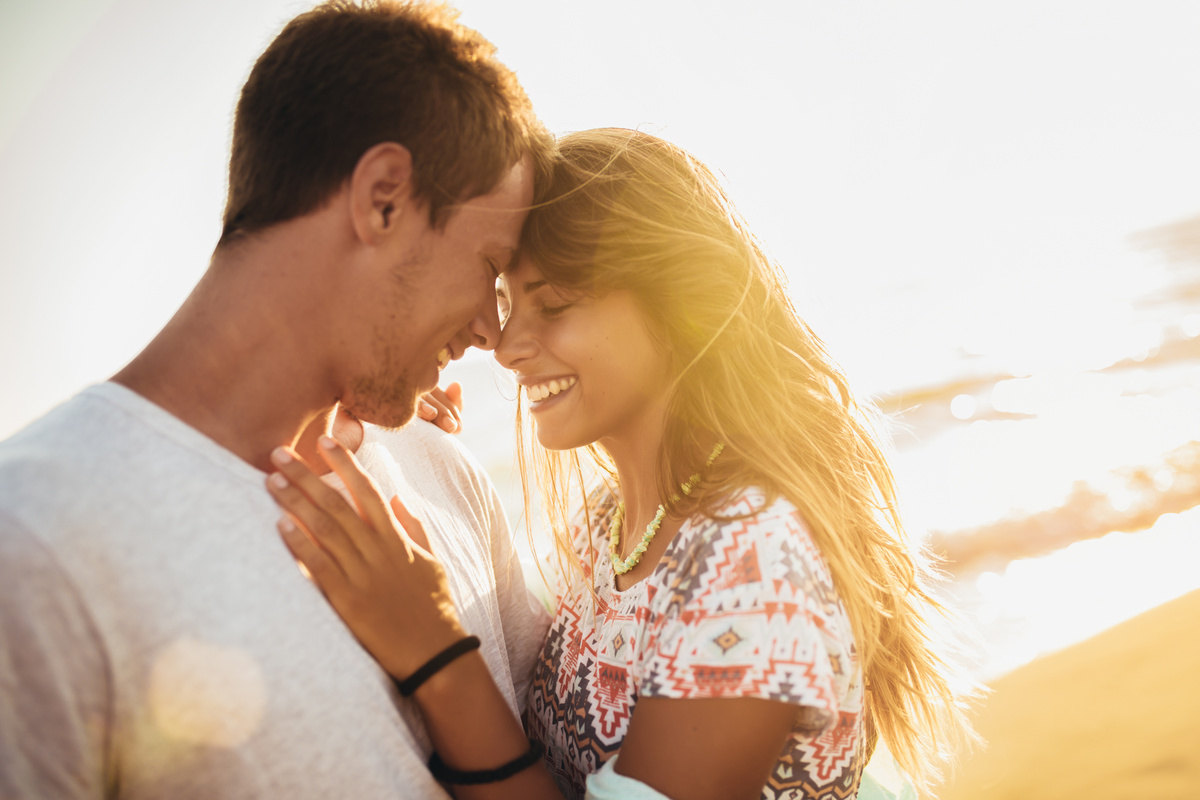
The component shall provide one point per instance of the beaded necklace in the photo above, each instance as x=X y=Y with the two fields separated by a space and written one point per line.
x=620 y=565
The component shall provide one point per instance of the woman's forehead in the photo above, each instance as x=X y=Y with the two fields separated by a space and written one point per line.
x=524 y=277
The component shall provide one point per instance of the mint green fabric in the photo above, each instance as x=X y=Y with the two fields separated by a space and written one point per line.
x=871 y=789
x=608 y=785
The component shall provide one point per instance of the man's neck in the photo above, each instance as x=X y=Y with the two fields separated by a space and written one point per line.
x=336 y=422
x=243 y=360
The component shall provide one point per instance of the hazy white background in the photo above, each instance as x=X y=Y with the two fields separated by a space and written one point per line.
x=997 y=153
x=950 y=185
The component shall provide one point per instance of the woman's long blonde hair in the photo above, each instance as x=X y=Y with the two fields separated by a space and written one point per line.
x=626 y=210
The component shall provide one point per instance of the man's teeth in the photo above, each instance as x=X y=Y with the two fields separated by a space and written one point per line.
x=543 y=390
x=443 y=357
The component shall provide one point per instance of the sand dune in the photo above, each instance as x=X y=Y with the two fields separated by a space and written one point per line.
x=1115 y=717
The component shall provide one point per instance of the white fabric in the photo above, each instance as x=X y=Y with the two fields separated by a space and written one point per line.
x=157 y=640
x=608 y=785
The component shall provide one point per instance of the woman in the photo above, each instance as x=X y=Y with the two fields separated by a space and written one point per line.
x=739 y=611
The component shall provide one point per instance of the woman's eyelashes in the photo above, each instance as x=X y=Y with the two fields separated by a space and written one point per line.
x=544 y=310
x=552 y=301
x=545 y=301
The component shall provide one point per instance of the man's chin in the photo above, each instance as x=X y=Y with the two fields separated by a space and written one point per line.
x=393 y=421
x=391 y=409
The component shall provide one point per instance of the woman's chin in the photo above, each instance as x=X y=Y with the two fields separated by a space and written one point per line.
x=552 y=439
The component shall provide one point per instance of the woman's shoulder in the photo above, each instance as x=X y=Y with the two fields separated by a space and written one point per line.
x=753 y=537
x=753 y=513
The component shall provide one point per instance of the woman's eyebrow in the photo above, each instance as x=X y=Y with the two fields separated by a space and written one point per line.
x=533 y=286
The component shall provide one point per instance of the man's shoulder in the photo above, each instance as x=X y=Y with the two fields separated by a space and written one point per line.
x=102 y=457
x=434 y=471
x=423 y=447
x=44 y=468
x=87 y=423
x=56 y=443
x=422 y=438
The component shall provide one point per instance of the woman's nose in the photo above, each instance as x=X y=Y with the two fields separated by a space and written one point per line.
x=516 y=342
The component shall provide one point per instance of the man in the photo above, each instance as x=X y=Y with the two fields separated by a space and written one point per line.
x=156 y=639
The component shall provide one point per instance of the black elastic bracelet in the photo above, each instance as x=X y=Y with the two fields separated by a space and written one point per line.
x=459 y=777
x=430 y=667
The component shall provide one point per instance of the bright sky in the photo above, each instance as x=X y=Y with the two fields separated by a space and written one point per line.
x=933 y=174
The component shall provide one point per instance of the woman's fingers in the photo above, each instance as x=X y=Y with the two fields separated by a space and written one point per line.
x=454 y=393
x=365 y=492
x=426 y=410
x=412 y=527
x=316 y=506
x=454 y=404
x=316 y=561
x=442 y=407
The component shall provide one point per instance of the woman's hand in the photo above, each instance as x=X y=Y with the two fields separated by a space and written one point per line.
x=390 y=591
x=442 y=407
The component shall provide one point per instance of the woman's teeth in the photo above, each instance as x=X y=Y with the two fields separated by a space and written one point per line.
x=443 y=357
x=543 y=390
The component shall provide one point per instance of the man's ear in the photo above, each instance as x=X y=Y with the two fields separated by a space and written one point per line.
x=380 y=190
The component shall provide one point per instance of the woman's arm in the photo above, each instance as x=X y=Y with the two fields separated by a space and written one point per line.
x=392 y=594
x=705 y=749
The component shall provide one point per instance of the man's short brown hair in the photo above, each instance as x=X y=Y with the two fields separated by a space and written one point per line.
x=348 y=75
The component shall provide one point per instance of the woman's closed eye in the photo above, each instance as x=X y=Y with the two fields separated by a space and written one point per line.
x=552 y=311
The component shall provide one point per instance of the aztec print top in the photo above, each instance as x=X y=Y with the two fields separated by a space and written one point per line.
x=742 y=608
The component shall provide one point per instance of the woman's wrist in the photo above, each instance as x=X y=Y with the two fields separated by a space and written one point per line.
x=435 y=664
x=444 y=773
x=398 y=659
x=476 y=734
x=448 y=686
x=470 y=722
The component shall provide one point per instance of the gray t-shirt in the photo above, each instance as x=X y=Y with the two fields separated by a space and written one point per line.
x=157 y=639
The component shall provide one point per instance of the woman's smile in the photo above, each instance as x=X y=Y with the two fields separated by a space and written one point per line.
x=545 y=392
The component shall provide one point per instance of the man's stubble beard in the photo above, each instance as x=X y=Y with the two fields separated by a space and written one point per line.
x=387 y=397
x=386 y=401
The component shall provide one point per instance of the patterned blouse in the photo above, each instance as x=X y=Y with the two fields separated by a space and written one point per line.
x=741 y=608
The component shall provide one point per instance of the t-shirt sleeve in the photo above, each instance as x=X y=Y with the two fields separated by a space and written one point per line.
x=525 y=621
x=749 y=610
x=54 y=709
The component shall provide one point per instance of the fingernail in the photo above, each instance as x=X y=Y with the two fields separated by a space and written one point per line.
x=426 y=411
x=449 y=424
x=281 y=456
x=278 y=481
x=286 y=525
x=326 y=442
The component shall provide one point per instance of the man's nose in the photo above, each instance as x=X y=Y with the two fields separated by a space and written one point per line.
x=485 y=328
